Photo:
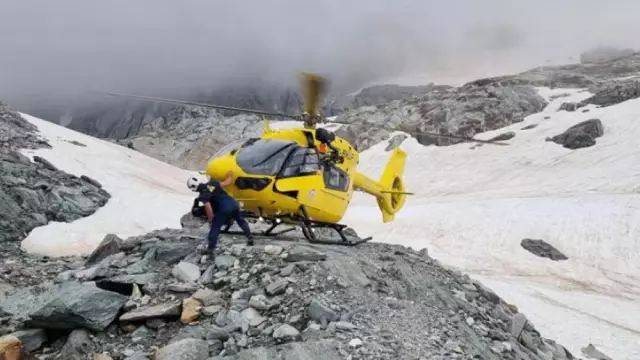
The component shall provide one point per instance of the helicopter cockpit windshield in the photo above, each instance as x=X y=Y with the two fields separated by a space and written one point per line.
x=264 y=156
x=273 y=157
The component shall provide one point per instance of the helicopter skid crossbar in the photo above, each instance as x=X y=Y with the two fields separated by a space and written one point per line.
x=306 y=227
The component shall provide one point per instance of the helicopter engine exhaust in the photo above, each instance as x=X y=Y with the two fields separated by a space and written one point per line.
x=389 y=191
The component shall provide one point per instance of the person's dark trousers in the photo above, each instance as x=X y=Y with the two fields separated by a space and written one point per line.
x=237 y=216
x=219 y=219
x=229 y=210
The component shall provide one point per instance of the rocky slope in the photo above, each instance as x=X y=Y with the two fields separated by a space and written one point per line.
x=154 y=296
x=594 y=76
x=188 y=137
x=604 y=53
x=492 y=103
x=462 y=111
x=119 y=118
x=33 y=193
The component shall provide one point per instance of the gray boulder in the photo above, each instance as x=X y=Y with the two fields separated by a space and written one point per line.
x=110 y=245
x=543 y=249
x=185 y=349
x=316 y=350
x=78 y=345
x=31 y=339
x=68 y=305
x=580 y=135
x=150 y=312
x=591 y=352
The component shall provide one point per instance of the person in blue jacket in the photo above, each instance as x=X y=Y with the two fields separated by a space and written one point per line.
x=213 y=196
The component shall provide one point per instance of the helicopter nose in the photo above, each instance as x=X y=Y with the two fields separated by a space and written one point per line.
x=216 y=169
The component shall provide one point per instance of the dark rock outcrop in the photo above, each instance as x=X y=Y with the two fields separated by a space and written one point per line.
x=17 y=133
x=581 y=135
x=607 y=94
x=614 y=93
x=568 y=106
x=69 y=305
x=543 y=249
x=604 y=54
x=34 y=193
x=592 y=75
x=463 y=111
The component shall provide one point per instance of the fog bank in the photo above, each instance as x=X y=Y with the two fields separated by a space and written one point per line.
x=56 y=51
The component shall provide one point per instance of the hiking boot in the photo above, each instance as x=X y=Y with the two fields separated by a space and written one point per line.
x=250 y=242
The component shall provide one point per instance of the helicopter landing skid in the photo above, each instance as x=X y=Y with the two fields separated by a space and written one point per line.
x=307 y=231
x=268 y=232
x=306 y=226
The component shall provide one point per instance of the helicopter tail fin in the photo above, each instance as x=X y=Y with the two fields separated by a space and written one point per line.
x=393 y=191
x=389 y=191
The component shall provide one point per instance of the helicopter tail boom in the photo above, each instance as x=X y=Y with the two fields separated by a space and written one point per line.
x=389 y=191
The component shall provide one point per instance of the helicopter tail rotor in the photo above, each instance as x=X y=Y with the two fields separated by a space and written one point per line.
x=389 y=191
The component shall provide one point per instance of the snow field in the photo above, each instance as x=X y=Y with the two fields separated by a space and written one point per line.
x=473 y=207
x=146 y=194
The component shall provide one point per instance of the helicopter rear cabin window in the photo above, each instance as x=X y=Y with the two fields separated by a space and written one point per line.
x=335 y=178
x=264 y=157
x=303 y=161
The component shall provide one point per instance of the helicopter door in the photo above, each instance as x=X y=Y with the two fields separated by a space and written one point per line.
x=301 y=174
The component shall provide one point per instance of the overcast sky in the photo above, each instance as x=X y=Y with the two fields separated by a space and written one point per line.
x=154 y=46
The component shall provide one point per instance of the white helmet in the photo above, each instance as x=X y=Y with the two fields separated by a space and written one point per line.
x=192 y=183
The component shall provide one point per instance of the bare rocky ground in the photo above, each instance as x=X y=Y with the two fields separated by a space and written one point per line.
x=155 y=296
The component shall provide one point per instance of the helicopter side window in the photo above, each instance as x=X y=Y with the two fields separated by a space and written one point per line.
x=303 y=161
x=335 y=178
x=264 y=157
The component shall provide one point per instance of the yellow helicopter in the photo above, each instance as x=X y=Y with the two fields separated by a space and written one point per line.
x=303 y=176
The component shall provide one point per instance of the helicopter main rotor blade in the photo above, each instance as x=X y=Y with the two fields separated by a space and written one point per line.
x=171 y=101
x=313 y=87
x=427 y=133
